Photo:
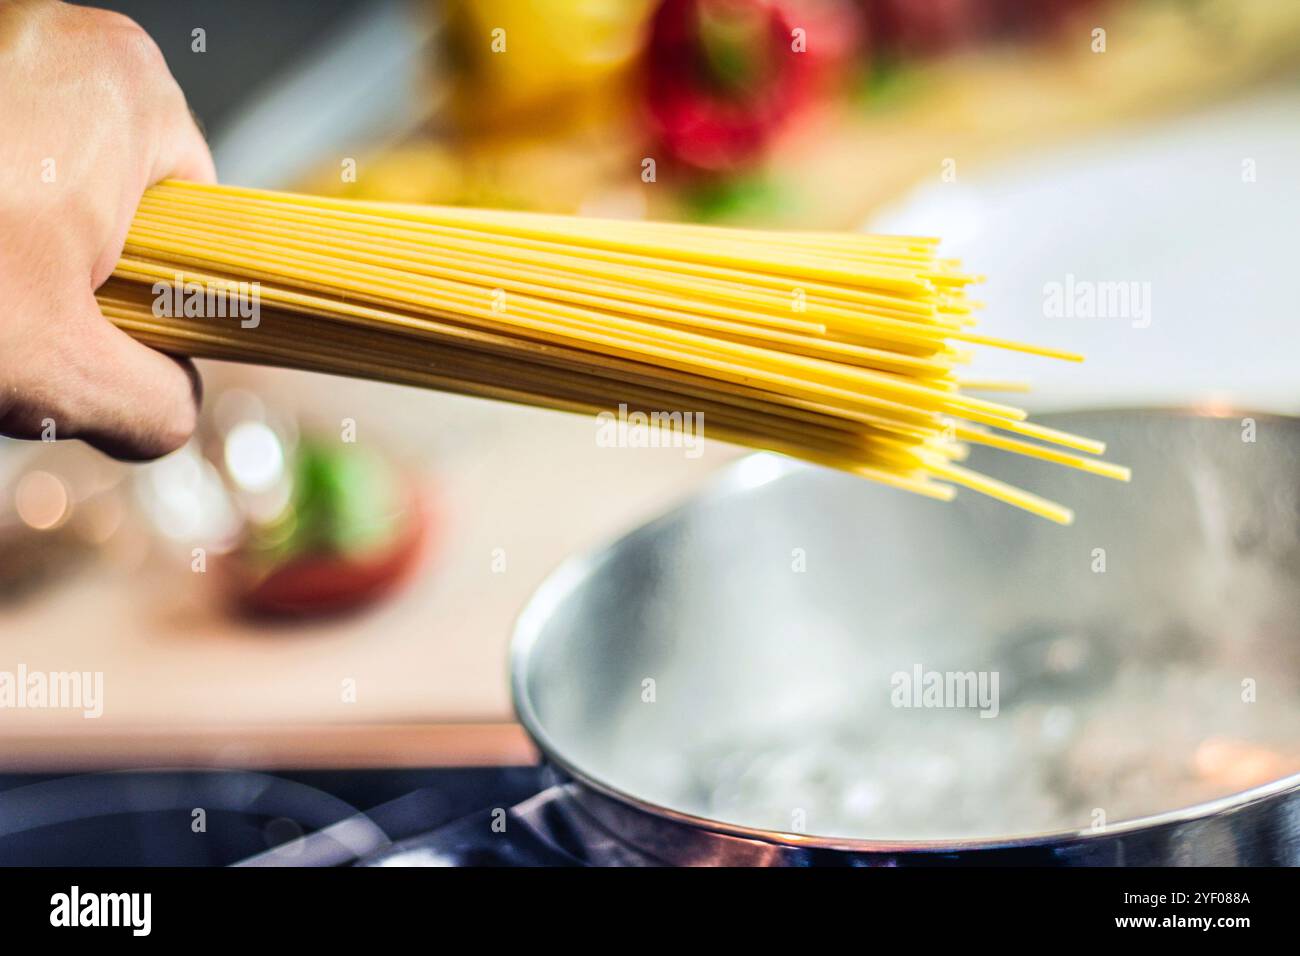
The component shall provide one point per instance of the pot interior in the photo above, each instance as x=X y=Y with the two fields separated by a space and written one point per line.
x=804 y=651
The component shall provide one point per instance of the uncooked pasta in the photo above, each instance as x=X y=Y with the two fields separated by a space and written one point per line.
x=839 y=348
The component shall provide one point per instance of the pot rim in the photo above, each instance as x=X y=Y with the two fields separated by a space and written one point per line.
x=749 y=472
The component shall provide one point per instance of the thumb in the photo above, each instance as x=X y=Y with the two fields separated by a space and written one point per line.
x=120 y=396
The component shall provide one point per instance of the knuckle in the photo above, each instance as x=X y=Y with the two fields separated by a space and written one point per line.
x=142 y=50
x=112 y=20
x=132 y=44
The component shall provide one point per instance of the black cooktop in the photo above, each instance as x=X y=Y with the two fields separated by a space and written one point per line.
x=220 y=817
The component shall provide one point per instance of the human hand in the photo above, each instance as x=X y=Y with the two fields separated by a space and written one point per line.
x=90 y=117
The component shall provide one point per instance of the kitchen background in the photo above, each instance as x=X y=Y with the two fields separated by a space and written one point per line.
x=328 y=575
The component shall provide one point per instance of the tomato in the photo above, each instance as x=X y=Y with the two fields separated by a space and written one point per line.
x=318 y=583
x=721 y=79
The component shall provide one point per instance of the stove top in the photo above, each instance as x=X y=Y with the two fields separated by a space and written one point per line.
x=304 y=818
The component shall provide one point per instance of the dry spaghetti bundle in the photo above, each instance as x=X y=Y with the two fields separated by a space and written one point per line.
x=841 y=349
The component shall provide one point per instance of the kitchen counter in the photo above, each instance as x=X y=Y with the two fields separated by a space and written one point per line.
x=187 y=682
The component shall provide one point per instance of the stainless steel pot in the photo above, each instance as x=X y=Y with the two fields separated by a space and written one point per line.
x=729 y=684
x=1155 y=644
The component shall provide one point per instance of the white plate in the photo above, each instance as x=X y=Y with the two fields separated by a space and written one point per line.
x=1167 y=207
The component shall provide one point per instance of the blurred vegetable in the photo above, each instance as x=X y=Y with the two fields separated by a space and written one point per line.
x=725 y=77
x=721 y=79
x=511 y=56
x=352 y=528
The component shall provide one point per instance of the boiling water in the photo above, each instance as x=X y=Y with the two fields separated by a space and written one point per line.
x=1170 y=730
